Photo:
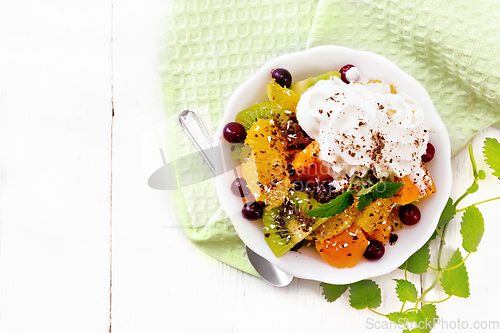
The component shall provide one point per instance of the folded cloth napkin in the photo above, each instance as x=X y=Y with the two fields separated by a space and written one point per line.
x=212 y=46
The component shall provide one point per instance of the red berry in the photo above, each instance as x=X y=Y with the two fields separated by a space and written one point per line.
x=282 y=77
x=343 y=71
x=409 y=214
x=375 y=250
x=252 y=210
x=240 y=188
x=429 y=153
x=234 y=132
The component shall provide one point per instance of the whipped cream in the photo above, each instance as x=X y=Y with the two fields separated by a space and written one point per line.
x=364 y=126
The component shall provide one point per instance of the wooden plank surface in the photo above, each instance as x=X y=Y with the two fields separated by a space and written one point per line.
x=162 y=281
x=55 y=165
x=77 y=215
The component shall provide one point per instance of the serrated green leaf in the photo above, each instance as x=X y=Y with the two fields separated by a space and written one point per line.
x=397 y=317
x=406 y=291
x=448 y=213
x=386 y=190
x=364 y=201
x=473 y=188
x=428 y=311
x=421 y=320
x=491 y=151
x=455 y=282
x=365 y=190
x=413 y=316
x=365 y=294
x=419 y=262
x=472 y=228
x=333 y=291
x=334 y=207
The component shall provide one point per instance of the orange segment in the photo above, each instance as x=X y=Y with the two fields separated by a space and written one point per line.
x=265 y=169
x=375 y=221
x=283 y=97
x=345 y=249
x=337 y=224
x=307 y=156
x=411 y=192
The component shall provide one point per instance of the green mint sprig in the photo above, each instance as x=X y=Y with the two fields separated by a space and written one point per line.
x=453 y=276
x=366 y=196
x=334 y=207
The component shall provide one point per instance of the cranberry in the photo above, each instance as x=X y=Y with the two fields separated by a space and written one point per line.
x=409 y=214
x=375 y=250
x=282 y=77
x=429 y=153
x=234 y=132
x=252 y=210
x=240 y=188
x=343 y=71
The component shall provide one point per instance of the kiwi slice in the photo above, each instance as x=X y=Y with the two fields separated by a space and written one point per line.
x=287 y=225
x=263 y=110
x=240 y=151
x=301 y=86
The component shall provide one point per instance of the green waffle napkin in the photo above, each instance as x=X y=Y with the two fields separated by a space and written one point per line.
x=212 y=46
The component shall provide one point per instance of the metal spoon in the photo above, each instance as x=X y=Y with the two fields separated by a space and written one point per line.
x=195 y=130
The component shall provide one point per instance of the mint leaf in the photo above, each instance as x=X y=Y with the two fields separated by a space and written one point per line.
x=419 y=261
x=382 y=190
x=429 y=313
x=491 y=151
x=473 y=188
x=333 y=291
x=365 y=190
x=413 y=316
x=455 y=282
x=448 y=213
x=422 y=320
x=398 y=317
x=365 y=294
x=472 y=228
x=364 y=201
x=334 y=207
x=386 y=190
x=406 y=291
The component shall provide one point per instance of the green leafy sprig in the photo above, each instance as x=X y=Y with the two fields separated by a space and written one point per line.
x=453 y=276
x=366 y=196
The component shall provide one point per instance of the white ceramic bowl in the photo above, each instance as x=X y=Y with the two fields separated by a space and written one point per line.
x=307 y=263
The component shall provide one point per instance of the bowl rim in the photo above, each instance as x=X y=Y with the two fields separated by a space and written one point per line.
x=416 y=90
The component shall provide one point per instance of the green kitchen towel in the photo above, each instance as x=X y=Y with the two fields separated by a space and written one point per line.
x=451 y=47
x=212 y=46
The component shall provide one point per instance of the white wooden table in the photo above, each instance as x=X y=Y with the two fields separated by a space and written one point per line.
x=87 y=246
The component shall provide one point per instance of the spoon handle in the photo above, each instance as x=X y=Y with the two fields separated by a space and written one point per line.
x=198 y=134
x=196 y=131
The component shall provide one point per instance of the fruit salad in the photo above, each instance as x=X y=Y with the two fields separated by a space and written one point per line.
x=335 y=162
